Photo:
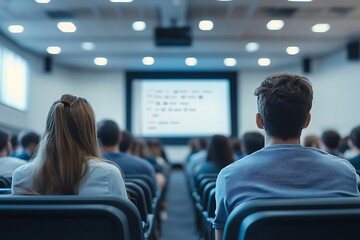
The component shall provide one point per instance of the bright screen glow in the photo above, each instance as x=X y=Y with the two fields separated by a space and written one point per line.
x=180 y=107
x=13 y=80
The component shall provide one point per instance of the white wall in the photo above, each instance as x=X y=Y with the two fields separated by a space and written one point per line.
x=335 y=82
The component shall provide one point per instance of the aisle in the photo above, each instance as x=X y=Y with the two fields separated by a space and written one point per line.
x=180 y=223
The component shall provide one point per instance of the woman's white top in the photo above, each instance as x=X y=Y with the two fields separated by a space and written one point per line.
x=103 y=179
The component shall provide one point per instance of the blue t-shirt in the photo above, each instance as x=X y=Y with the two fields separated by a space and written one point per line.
x=130 y=164
x=355 y=161
x=283 y=171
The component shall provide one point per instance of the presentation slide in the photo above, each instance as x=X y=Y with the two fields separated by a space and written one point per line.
x=181 y=107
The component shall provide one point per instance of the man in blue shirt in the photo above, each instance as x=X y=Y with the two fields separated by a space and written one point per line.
x=354 y=142
x=110 y=137
x=283 y=168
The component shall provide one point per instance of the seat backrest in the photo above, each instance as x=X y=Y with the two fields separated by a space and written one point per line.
x=63 y=221
x=206 y=192
x=143 y=177
x=129 y=209
x=211 y=204
x=233 y=223
x=5 y=182
x=324 y=224
x=147 y=192
x=138 y=198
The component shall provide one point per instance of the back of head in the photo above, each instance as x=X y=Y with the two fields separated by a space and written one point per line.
x=4 y=139
x=203 y=142
x=29 y=137
x=284 y=102
x=220 y=151
x=252 y=142
x=312 y=141
x=331 y=139
x=108 y=133
x=69 y=142
x=126 y=141
x=235 y=144
x=355 y=137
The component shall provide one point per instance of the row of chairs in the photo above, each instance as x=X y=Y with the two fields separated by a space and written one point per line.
x=202 y=191
x=138 y=219
x=281 y=219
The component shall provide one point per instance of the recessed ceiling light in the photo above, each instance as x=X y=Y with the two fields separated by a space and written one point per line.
x=53 y=49
x=264 y=62
x=66 y=27
x=229 y=62
x=275 y=25
x=15 y=28
x=292 y=50
x=148 y=60
x=320 y=27
x=300 y=0
x=191 y=61
x=88 y=46
x=100 y=61
x=206 y=25
x=42 y=1
x=139 y=26
x=121 y=1
x=252 y=46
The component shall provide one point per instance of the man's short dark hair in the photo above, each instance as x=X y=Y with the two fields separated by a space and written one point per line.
x=108 y=133
x=126 y=142
x=4 y=139
x=331 y=139
x=284 y=102
x=29 y=137
x=253 y=141
x=355 y=136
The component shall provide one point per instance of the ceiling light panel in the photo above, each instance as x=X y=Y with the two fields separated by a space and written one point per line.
x=88 y=46
x=321 y=27
x=206 y=25
x=264 y=62
x=42 y=1
x=66 y=27
x=139 y=26
x=100 y=61
x=230 y=62
x=148 y=61
x=292 y=50
x=15 y=28
x=252 y=47
x=53 y=50
x=275 y=25
x=191 y=61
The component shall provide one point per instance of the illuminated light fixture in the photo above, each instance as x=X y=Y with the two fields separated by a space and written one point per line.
x=148 y=61
x=275 y=25
x=229 y=62
x=292 y=50
x=320 y=27
x=206 y=25
x=53 y=50
x=191 y=61
x=66 y=27
x=264 y=62
x=100 y=61
x=88 y=46
x=15 y=28
x=42 y=1
x=121 y=1
x=299 y=0
x=252 y=46
x=139 y=26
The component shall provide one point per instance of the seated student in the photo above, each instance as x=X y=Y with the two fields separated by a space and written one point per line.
x=219 y=155
x=252 y=142
x=312 y=141
x=236 y=146
x=194 y=147
x=109 y=136
x=354 y=143
x=7 y=164
x=68 y=161
x=198 y=157
x=29 y=141
x=283 y=168
x=330 y=142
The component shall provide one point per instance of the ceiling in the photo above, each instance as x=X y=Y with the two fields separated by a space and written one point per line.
x=109 y=26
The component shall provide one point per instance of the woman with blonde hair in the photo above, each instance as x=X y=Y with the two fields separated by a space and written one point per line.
x=68 y=161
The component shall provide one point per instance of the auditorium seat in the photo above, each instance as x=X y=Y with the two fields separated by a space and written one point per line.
x=314 y=218
x=69 y=217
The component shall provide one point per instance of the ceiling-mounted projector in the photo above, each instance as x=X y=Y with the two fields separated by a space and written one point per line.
x=173 y=36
